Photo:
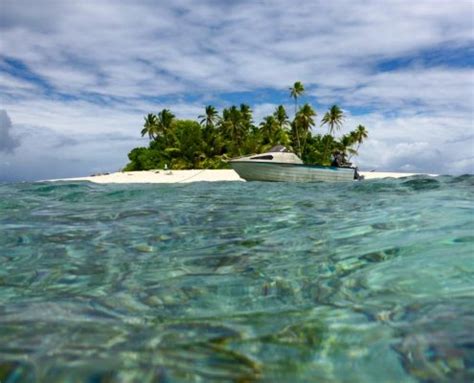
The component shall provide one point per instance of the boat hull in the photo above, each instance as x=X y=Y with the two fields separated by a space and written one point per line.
x=282 y=172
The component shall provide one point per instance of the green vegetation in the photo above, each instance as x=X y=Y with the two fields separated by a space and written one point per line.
x=209 y=143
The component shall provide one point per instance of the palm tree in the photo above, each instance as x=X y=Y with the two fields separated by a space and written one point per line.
x=334 y=118
x=232 y=126
x=246 y=118
x=283 y=124
x=210 y=136
x=359 y=135
x=165 y=120
x=296 y=91
x=246 y=112
x=304 y=121
x=268 y=127
x=210 y=118
x=281 y=117
x=346 y=143
x=150 y=126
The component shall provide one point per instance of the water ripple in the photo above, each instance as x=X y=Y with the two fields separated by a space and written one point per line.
x=238 y=281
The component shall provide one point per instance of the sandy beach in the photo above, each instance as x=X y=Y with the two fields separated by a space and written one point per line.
x=196 y=175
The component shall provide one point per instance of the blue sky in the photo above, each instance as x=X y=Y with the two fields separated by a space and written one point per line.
x=76 y=78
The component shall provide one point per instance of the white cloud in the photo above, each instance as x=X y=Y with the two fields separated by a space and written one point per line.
x=231 y=47
x=8 y=142
x=11 y=83
x=45 y=154
x=416 y=143
x=421 y=89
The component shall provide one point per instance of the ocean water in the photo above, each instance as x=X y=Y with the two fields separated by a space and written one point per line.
x=239 y=282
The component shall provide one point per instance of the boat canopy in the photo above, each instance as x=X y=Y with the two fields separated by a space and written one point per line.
x=278 y=148
x=278 y=154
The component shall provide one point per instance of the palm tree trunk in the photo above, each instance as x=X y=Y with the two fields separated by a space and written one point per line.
x=357 y=152
x=331 y=127
x=296 y=128
x=304 y=141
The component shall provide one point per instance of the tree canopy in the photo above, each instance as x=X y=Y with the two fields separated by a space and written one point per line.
x=216 y=137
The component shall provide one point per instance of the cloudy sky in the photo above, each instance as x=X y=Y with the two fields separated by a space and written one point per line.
x=77 y=77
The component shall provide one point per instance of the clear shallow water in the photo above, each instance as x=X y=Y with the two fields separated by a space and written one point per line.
x=367 y=282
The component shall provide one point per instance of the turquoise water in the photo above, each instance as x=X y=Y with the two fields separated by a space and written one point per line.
x=272 y=282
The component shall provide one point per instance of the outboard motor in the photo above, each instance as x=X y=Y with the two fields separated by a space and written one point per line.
x=357 y=176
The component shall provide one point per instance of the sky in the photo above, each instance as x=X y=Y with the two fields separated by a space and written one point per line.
x=78 y=77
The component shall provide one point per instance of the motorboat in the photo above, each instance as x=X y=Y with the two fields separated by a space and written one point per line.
x=281 y=165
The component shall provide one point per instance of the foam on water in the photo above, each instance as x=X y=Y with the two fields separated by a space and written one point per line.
x=370 y=281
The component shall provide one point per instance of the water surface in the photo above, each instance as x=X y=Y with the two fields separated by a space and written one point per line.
x=272 y=282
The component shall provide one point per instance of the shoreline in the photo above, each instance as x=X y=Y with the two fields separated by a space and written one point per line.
x=196 y=175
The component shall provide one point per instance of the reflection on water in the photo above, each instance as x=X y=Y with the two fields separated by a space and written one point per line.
x=368 y=282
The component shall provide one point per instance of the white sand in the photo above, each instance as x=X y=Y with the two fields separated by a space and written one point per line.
x=162 y=176
x=184 y=176
x=376 y=175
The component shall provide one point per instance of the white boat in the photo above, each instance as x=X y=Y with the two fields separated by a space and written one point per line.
x=281 y=165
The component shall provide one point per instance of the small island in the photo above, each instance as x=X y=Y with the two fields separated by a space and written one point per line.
x=213 y=139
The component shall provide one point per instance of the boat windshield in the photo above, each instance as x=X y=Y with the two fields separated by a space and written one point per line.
x=279 y=148
x=266 y=157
